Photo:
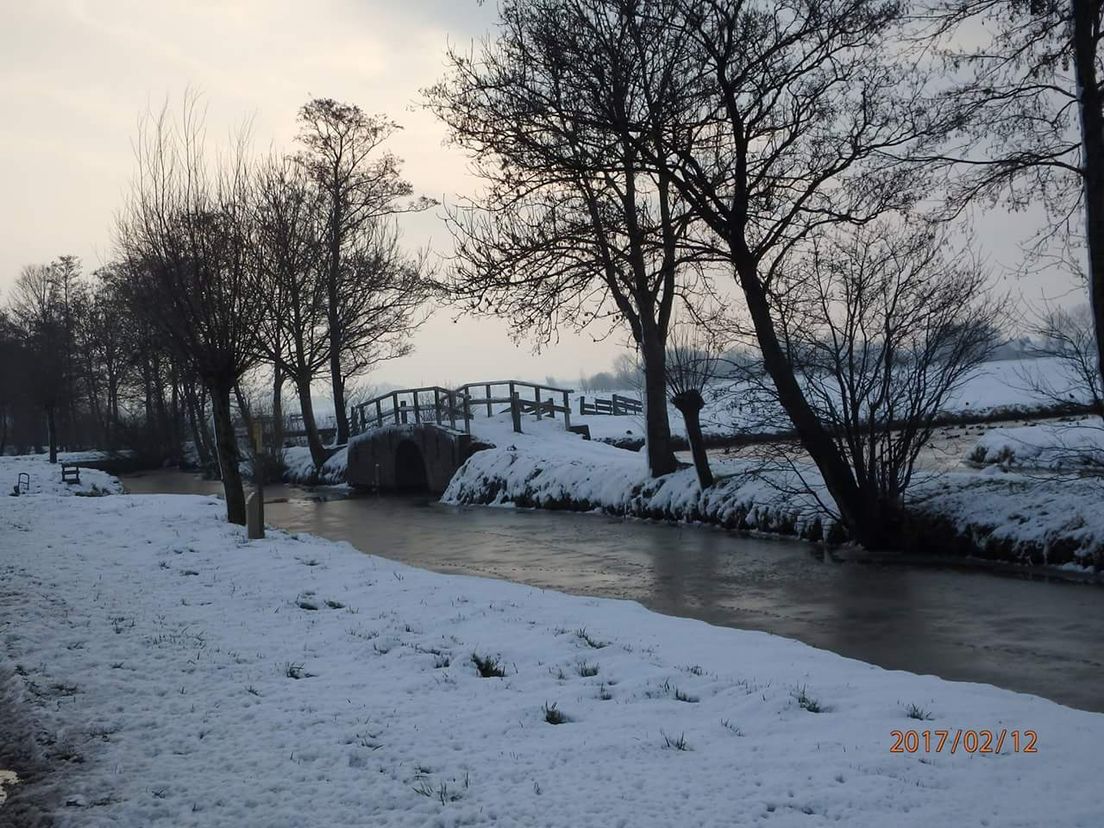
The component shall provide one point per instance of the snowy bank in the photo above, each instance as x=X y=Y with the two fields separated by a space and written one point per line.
x=44 y=477
x=1012 y=517
x=1076 y=445
x=299 y=467
x=548 y=468
x=180 y=675
x=985 y=514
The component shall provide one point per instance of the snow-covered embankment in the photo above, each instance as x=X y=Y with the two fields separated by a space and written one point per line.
x=180 y=675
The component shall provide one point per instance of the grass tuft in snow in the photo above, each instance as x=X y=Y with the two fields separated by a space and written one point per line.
x=586 y=669
x=915 y=711
x=680 y=695
x=296 y=671
x=728 y=724
x=488 y=666
x=441 y=793
x=807 y=702
x=589 y=640
x=673 y=743
x=553 y=715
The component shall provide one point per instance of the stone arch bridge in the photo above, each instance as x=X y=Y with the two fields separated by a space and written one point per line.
x=416 y=439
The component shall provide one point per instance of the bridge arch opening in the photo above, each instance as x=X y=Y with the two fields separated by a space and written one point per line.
x=410 y=468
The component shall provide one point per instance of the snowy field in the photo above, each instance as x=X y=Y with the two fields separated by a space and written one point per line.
x=1000 y=388
x=189 y=677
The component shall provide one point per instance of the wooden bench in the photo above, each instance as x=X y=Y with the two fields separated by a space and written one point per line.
x=70 y=473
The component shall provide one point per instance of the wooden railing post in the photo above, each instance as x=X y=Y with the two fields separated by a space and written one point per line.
x=437 y=405
x=515 y=409
x=395 y=408
x=467 y=413
x=490 y=413
x=537 y=407
x=379 y=414
x=417 y=411
x=567 y=412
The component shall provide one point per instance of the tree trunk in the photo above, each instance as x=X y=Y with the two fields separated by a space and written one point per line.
x=657 y=426
x=51 y=432
x=195 y=422
x=863 y=518
x=690 y=405
x=306 y=407
x=1092 y=140
x=333 y=319
x=228 y=457
x=245 y=412
x=277 y=411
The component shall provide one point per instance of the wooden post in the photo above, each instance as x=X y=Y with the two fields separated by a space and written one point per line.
x=403 y=408
x=379 y=414
x=515 y=409
x=536 y=399
x=567 y=412
x=395 y=407
x=467 y=413
x=436 y=405
x=490 y=413
x=417 y=411
x=254 y=516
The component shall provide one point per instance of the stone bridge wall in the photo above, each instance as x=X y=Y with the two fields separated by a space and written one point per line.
x=407 y=457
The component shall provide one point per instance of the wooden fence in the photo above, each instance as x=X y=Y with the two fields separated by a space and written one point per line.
x=615 y=406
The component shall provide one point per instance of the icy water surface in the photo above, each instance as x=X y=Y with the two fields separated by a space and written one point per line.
x=1034 y=636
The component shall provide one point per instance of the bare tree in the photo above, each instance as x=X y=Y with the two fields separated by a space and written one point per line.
x=361 y=186
x=798 y=113
x=692 y=366
x=1029 y=100
x=183 y=236
x=293 y=283
x=884 y=323
x=39 y=304
x=1067 y=335
x=576 y=226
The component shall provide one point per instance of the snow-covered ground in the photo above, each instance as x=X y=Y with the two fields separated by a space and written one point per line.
x=190 y=677
x=1072 y=446
x=44 y=477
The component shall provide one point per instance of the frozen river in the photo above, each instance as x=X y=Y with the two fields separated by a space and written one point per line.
x=1035 y=636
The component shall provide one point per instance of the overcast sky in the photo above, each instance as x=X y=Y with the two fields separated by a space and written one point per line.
x=76 y=75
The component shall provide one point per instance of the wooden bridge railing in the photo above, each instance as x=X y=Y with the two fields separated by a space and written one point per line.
x=455 y=406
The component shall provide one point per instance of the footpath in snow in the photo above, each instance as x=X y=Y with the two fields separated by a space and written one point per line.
x=179 y=675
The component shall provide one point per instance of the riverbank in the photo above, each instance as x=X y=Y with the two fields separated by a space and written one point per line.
x=991 y=514
x=208 y=680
